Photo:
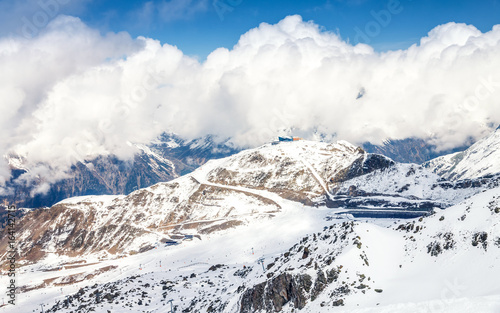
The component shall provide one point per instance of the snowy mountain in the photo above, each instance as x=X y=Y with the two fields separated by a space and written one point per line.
x=101 y=175
x=279 y=228
x=481 y=159
x=403 y=191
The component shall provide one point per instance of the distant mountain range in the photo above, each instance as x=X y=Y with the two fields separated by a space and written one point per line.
x=410 y=150
x=166 y=158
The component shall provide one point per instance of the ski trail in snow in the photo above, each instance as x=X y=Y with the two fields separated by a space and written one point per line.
x=261 y=193
x=316 y=176
x=216 y=220
x=193 y=264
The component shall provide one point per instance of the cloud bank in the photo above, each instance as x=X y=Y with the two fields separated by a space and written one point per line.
x=72 y=93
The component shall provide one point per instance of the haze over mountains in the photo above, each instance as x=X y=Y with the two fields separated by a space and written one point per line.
x=162 y=160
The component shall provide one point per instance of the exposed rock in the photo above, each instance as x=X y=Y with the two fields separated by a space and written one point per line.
x=273 y=294
x=319 y=285
x=215 y=267
x=305 y=255
x=434 y=248
x=480 y=239
x=365 y=164
x=339 y=302
x=332 y=275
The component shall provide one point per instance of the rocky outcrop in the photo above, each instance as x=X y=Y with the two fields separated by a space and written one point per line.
x=365 y=164
x=272 y=295
x=285 y=288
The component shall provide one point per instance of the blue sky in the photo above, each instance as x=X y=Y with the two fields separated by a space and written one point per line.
x=198 y=27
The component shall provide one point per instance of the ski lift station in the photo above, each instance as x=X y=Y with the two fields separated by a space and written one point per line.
x=288 y=138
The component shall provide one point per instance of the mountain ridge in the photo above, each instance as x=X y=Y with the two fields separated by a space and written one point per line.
x=481 y=159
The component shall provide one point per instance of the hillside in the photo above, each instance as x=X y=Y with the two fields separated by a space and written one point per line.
x=232 y=191
x=201 y=202
x=444 y=263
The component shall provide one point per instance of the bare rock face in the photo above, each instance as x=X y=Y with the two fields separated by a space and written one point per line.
x=319 y=285
x=272 y=295
x=297 y=289
x=365 y=164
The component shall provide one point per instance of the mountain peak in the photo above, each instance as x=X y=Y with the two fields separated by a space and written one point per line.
x=481 y=159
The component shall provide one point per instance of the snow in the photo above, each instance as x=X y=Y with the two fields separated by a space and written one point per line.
x=305 y=166
x=155 y=157
x=481 y=159
x=171 y=143
x=103 y=200
x=407 y=180
x=457 y=280
x=16 y=161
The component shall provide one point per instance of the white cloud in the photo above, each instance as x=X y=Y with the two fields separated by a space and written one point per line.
x=72 y=93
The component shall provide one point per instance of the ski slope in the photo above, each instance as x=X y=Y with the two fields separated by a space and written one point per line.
x=411 y=280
